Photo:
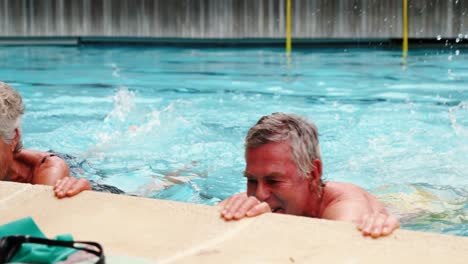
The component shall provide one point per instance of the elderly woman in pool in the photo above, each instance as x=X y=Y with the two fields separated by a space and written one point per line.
x=29 y=166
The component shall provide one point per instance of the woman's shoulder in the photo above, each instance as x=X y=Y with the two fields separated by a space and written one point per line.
x=31 y=157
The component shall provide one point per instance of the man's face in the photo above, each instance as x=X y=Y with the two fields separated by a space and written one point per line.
x=273 y=177
x=6 y=159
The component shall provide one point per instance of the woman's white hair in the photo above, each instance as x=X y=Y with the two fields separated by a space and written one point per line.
x=11 y=110
x=301 y=134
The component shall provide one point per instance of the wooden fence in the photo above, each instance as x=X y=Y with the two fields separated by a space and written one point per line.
x=232 y=19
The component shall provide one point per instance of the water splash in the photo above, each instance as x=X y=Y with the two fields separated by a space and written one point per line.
x=460 y=111
x=124 y=103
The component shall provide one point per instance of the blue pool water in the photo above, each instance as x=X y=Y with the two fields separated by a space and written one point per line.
x=134 y=117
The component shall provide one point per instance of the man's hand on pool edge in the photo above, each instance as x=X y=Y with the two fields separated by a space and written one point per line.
x=378 y=225
x=240 y=205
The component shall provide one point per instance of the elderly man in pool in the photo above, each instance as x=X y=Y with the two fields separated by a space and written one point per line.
x=29 y=166
x=284 y=172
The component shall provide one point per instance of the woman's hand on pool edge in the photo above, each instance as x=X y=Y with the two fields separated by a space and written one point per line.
x=240 y=205
x=70 y=186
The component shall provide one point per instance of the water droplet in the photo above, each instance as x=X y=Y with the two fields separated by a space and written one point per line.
x=439 y=37
x=460 y=35
x=457 y=40
x=457 y=52
x=449 y=58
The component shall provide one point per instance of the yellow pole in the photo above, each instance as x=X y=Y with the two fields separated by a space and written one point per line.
x=288 y=27
x=405 y=28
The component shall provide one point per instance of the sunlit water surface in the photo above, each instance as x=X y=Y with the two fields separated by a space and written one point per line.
x=134 y=115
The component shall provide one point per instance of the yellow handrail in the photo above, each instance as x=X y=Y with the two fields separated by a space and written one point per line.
x=405 y=28
x=288 y=27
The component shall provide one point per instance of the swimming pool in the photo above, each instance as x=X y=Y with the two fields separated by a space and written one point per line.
x=133 y=115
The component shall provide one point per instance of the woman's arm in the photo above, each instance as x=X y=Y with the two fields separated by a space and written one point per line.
x=48 y=169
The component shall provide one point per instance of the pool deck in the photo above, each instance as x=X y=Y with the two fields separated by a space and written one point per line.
x=172 y=232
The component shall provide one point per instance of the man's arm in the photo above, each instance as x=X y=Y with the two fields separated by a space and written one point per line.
x=363 y=209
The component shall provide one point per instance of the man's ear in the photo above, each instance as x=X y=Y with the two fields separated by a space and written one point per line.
x=315 y=173
x=15 y=140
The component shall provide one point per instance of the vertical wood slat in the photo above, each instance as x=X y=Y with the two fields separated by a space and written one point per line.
x=231 y=18
x=270 y=10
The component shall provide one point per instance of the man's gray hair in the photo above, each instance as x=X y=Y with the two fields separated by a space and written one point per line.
x=301 y=134
x=11 y=109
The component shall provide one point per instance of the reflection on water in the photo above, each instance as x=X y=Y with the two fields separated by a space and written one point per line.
x=423 y=206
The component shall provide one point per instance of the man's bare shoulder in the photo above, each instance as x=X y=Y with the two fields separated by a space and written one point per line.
x=345 y=199
x=343 y=190
x=351 y=203
x=342 y=193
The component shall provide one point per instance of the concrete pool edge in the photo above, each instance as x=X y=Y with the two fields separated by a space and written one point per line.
x=172 y=232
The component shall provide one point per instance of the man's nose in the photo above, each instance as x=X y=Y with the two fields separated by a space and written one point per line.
x=263 y=192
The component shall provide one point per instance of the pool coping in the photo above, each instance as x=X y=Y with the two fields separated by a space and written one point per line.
x=173 y=232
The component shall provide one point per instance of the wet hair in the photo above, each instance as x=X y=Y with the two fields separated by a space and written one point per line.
x=301 y=134
x=11 y=110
